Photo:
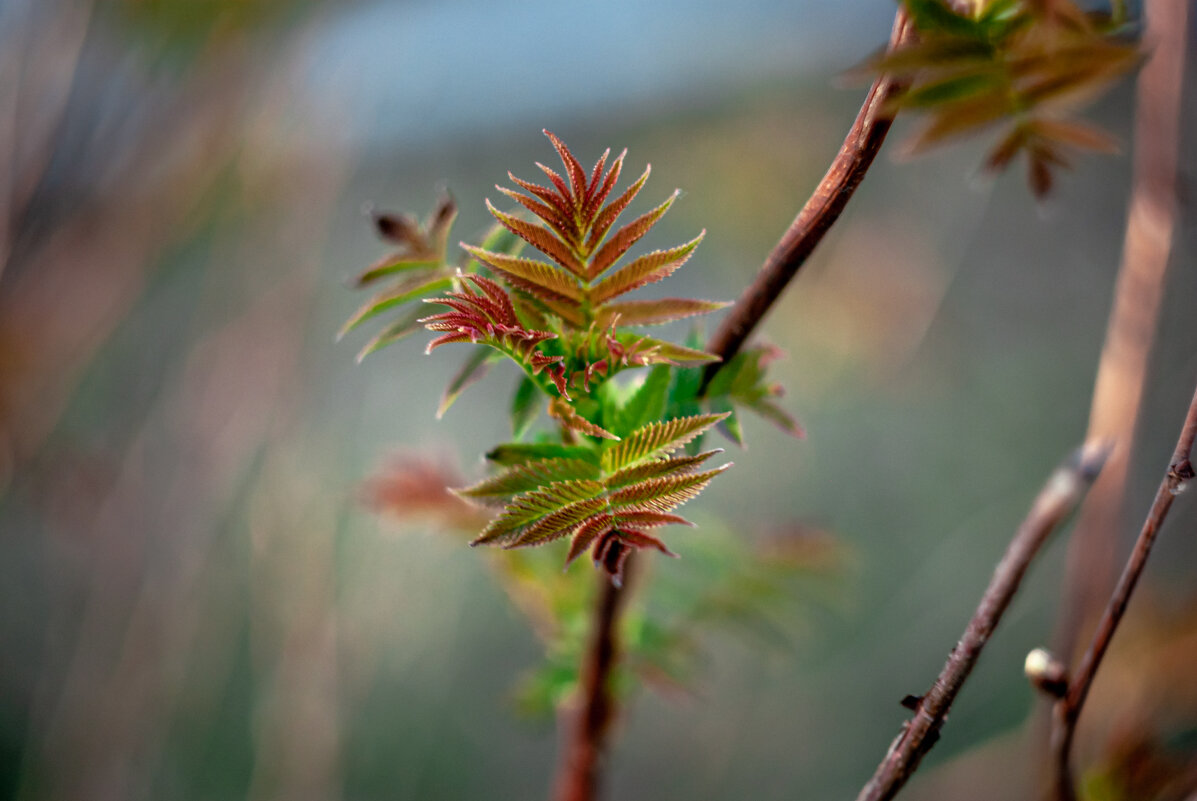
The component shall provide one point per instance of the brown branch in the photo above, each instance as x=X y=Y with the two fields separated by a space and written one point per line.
x=1068 y=709
x=1055 y=502
x=577 y=778
x=1121 y=374
x=855 y=156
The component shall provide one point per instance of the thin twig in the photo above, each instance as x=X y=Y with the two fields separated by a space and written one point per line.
x=1068 y=709
x=1121 y=375
x=855 y=156
x=577 y=778
x=1055 y=502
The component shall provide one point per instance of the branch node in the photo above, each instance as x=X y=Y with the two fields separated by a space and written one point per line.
x=1046 y=673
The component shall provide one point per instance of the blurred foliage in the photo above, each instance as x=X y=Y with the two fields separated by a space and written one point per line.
x=1023 y=65
x=177 y=30
x=735 y=582
x=1147 y=715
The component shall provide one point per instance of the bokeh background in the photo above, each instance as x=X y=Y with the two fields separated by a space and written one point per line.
x=194 y=602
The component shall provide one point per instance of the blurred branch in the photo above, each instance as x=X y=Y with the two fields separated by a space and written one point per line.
x=1121 y=374
x=824 y=207
x=1068 y=709
x=577 y=778
x=1055 y=502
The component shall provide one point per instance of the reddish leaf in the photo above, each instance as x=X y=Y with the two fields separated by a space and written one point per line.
x=656 y=312
x=647 y=269
x=551 y=198
x=541 y=239
x=606 y=218
x=629 y=235
x=598 y=195
x=563 y=412
x=545 y=212
x=577 y=176
x=536 y=277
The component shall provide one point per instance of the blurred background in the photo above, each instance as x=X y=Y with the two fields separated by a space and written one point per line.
x=196 y=604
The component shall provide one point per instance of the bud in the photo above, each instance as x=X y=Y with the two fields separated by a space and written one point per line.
x=1046 y=673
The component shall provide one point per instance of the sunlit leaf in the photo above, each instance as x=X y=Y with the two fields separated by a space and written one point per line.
x=530 y=476
x=629 y=235
x=656 y=439
x=647 y=269
x=534 y=276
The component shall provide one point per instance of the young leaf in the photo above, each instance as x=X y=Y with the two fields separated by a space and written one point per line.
x=647 y=269
x=557 y=524
x=656 y=468
x=536 y=505
x=627 y=236
x=637 y=349
x=392 y=264
x=729 y=426
x=536 y=277
x=415 y=287
x=577 y=176
x=656 y=312
x=405 y=326
x=778 y=416
x=663 y=494
x=527 y=477
x=561 y=410
x=540 y=238
x=514 y=453
x=606 y=218
x=656 y=439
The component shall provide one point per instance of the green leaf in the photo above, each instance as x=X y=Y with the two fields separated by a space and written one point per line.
x=535 y=506
x=524 y=406
x=656 y=439
x=655 y=469
x=405 y=326
x=559 y=523
x=936 y=16
x=472 y=370
x=663 y=494
x=658 y=351
x=952 y=90
x=778 y=416
x=392 y=264
x=730 y=426
x=933 y=53
x=416 y=287
x=647 y=405
x=513 y=453
x=528 y=477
